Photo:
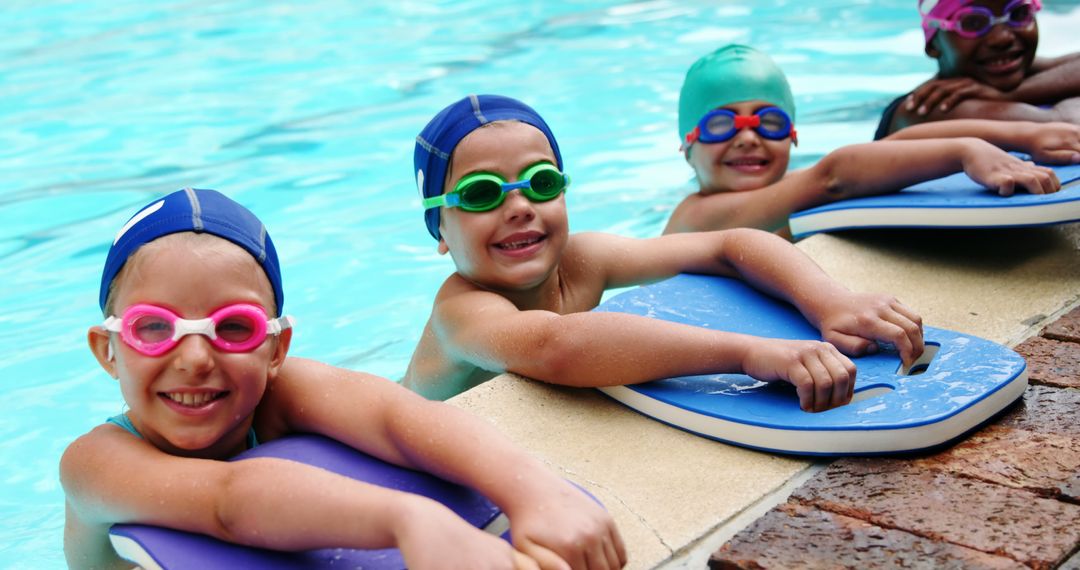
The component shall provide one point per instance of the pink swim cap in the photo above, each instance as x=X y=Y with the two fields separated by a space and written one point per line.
x=937 y=10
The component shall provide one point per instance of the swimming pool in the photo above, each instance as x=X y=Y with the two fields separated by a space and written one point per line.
x=307 y=115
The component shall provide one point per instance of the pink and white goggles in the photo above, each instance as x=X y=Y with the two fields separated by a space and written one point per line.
x=154 y=330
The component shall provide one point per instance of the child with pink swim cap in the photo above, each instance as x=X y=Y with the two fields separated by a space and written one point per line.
x=987 y=68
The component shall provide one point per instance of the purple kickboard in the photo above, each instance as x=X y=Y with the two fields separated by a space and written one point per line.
x=174 y=550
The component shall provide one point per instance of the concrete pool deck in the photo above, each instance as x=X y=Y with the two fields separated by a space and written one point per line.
x=678 y=497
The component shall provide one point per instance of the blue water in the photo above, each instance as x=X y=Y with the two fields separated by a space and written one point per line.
x=307 y=115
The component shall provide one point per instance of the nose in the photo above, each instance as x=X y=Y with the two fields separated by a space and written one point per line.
x=517 y=207
x=746 y=138
x=193 y=354
x=1001 y=35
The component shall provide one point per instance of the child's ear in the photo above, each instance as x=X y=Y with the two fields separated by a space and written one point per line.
x=281 y=349
x=443 y=249
x=98 y=339
x=932 y=49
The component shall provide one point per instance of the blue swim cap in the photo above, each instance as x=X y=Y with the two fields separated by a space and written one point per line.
x=435 y=144
x=199 y=211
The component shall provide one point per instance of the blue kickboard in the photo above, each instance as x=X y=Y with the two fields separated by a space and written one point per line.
x=156 y=547
x=967 y=380
x=954 y=201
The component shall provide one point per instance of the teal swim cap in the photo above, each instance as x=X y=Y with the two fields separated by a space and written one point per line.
x=729 y=75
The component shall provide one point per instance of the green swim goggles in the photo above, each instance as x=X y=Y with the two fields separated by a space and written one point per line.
x=484 y=191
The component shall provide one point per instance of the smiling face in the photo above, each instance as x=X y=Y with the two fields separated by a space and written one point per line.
x=516 y=246
x=744 y=162
x=193 y=400
x=1000 y=59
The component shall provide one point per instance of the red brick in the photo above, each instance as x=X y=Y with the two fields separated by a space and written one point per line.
x=1046 y=410
x=796 y=536
x=1067 y=328
x=1043 y=463
x=990 y=518
x=1051 y=362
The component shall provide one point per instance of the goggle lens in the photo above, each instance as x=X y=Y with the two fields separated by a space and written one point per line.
x=774 y=122
x=236 y=329
x=720 y=125
x=480 y=195
x=151 y=329
x=546 y=184
x=973 y=23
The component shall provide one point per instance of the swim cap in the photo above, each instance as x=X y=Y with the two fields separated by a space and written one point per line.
x=729 y=75
x=435 y=144
x=937 y=10
x=199 y=211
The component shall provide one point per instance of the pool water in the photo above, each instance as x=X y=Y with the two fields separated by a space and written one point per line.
x=307 y=114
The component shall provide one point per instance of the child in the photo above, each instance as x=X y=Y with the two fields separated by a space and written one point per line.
x=987 y=69
x=490 y=174
x=199 y=391
x=736 y=118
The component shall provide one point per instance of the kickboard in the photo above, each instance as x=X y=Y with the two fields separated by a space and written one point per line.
x=959 y=383
x=954 y=201
x=159 y=548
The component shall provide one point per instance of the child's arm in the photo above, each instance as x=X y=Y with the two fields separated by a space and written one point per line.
x=1064 y=111
x=603 y=349
x=1050 y=143
x=861 y=170
x=552 y=521
x=1052 y=80
x=111 y=477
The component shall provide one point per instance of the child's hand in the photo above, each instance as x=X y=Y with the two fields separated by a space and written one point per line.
x=1053 y=143
x=822 y=376
x=1003 y=172
x=560 y=527
x=433 y=537
x=947 y=93
x=856 y=321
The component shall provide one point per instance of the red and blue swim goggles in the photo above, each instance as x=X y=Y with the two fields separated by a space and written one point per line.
x=721 y=125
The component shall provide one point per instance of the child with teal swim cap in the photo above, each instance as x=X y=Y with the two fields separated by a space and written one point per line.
x=987 y=69
x=196 y=338
x=737 y=125
x=494 y=187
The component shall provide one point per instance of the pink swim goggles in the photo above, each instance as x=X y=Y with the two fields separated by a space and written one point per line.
x=971 y=22
x=154 y=330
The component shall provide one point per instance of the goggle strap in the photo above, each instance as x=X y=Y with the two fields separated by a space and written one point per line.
x=691 y=138
x=113 y=324
x=437 y=201
x=275 y=326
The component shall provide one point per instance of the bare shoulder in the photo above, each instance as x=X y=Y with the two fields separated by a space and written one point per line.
x=88 y=454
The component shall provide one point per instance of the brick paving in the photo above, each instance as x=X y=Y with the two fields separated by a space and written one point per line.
x=1006 y=497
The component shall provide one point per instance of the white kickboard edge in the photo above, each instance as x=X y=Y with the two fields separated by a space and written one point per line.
x=133 y=552
x=825 y=441
x=975 y=217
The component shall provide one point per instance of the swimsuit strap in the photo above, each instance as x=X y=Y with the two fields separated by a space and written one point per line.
x=123 y=421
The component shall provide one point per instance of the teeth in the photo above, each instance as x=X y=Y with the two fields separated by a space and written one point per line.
x=517 y=244
x=192 y=400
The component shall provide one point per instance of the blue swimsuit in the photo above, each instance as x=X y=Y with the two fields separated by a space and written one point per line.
x=123 y=421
